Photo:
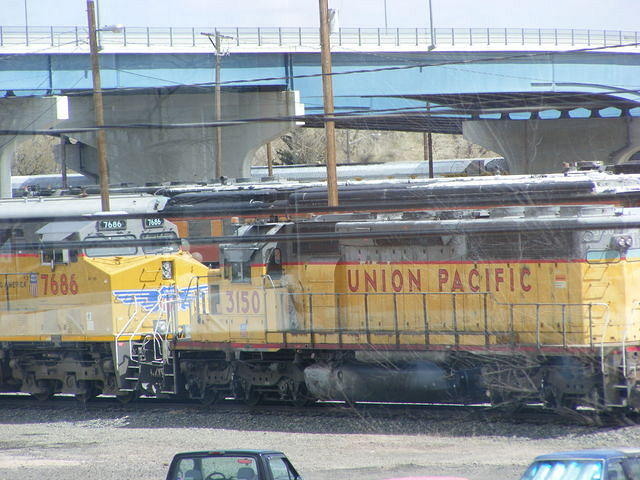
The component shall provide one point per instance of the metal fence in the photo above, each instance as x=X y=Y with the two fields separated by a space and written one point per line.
x=272 y=37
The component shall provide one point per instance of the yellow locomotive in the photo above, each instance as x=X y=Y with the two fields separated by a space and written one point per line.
x=87 y=305
x=517 y=304
x=521 y=304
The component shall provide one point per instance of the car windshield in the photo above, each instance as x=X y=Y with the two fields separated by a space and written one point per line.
x=216 y=467
x=564 y=470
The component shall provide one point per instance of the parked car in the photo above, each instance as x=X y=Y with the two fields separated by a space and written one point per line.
x=593 y=464
x=232 y=465
x=429 y=477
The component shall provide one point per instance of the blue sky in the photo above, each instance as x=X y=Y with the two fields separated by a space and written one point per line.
x=601 y=14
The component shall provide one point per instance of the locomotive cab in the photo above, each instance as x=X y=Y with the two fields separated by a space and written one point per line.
x=253 y=262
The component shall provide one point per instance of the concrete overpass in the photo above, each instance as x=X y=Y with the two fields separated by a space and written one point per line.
x=378 y=71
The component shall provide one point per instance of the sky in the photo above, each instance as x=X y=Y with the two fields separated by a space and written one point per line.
x=601 y=14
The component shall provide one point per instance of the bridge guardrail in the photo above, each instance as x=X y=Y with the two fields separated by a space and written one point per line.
x=283 y=37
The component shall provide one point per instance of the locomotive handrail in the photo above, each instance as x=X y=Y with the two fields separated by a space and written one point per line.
x=120 y=334
x=511 y=333
x=136 y=331
x=197 y=279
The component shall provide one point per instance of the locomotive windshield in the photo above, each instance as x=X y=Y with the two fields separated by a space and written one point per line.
x=160 y=248
x=110 y=250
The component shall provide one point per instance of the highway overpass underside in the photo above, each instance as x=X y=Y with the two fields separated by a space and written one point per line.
x=535 y=131
x=381 y=89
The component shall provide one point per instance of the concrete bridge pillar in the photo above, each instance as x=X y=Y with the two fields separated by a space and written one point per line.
x=146 y=151
x=542 y=146
x=7 y=147
x=20 y=114
x=186 y=154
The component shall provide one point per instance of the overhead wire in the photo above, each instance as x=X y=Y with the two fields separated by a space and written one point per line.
x=374 y=70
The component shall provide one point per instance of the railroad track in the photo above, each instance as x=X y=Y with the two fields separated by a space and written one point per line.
x=366 y=412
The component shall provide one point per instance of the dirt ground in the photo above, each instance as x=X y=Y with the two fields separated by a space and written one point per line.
x=65 y=443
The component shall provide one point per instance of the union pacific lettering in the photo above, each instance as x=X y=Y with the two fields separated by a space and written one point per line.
x=384 y=281
x=449 y=279
x=495 y=279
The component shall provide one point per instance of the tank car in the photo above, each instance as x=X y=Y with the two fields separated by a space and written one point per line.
x=518 y=304
x=87 y=306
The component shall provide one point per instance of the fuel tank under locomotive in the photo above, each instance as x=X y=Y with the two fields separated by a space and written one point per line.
x=408 y=382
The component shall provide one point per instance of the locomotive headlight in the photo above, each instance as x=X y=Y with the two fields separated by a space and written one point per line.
x=622 y=242
x=167 y=270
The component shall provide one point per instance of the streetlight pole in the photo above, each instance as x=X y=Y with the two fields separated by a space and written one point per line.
x=327 y=94
x=26 y=24
x=98 y=108
x=431 y=29
x=385 y=15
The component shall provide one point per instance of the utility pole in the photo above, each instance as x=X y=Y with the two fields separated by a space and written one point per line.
x=269 y=160
x=427 y=142
x=327 y=91
x=218 y=105
x=98 y=108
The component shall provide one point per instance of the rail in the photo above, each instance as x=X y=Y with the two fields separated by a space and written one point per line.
x=297 y=38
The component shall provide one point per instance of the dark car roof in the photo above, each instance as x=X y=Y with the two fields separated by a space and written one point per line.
x=594 y=453
x=232 y=452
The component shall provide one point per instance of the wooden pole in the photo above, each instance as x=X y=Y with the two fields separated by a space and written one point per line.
x=427 y=142
x=430 y=149
x=98 y=107
x=218 y=110
x=327 y=92
x=269 y=160
x=63 y=156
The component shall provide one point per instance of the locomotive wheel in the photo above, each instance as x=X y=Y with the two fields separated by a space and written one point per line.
x=46 y=392
x=90 y=392
x=125 y=397
x=252 y=397
x=210 y=397
x=300 y=397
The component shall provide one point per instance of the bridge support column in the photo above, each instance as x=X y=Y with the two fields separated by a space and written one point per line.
x=186 y=154
x=7 y=147
x=542 y=146
x=24 y=113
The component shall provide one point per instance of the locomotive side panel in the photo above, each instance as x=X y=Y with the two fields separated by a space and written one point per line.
x=67 y=301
